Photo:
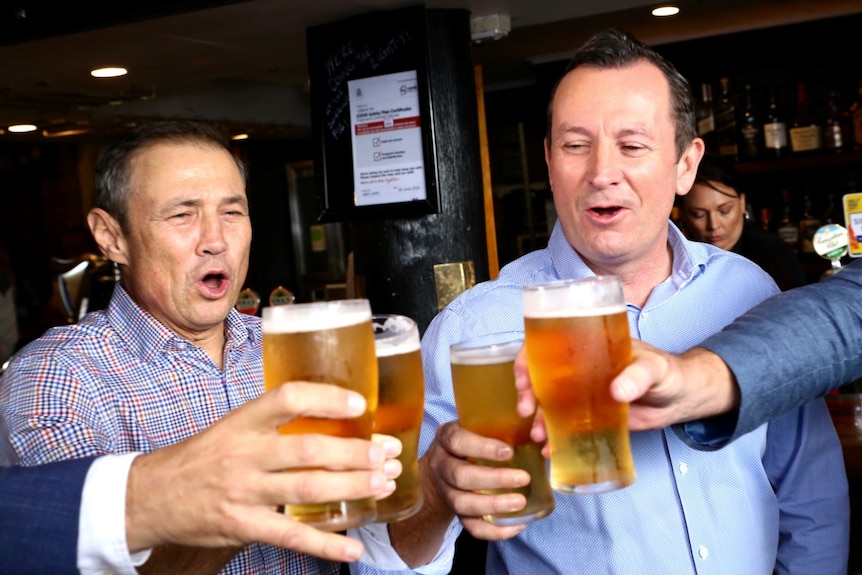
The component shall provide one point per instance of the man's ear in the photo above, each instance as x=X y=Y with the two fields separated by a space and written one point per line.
x=547 y=143
x=108 y=234
x=687 y=166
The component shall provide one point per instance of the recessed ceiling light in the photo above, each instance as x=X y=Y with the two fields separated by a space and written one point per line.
x=240 y=137
x=22 y=128
x=665 y=11
x=62 y=133
x=108 y=72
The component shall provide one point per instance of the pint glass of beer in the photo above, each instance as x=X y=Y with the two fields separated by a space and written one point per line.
x=483 y=379
x=399 y=408
x=325 y=342
x=577 y=340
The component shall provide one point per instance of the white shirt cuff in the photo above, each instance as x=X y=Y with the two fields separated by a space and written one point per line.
x=380 y=554
x=102 y=527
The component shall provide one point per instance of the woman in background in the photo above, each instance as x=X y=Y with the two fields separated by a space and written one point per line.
x=714 y=211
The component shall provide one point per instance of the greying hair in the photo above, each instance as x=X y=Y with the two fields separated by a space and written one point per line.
x=113 y=168
x=616 y=49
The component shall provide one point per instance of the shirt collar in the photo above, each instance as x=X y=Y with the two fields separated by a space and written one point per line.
x=241 y=328
x=146 y=336
x=566 y=260
x=689 y=258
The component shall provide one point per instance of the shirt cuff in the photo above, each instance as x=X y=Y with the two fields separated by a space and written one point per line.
x=708 y=434
x=102 y=525
x=380 y=554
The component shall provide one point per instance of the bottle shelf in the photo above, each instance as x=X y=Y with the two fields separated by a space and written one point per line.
x=791 y=163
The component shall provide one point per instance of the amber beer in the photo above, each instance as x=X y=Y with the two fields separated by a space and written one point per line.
x=325 y=342
x=400 y=407
x=483 y=379
x=577 y=341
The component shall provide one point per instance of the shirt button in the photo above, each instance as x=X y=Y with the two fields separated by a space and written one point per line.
x=181 y=346
x=683 y=468
x=703 y=552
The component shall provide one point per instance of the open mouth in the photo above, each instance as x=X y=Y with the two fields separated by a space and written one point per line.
x=214 y=281
x=609 y=211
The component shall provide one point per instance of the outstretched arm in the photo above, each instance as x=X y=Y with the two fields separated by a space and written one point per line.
x=221 y=487
x=795 y=346
x=661 y=388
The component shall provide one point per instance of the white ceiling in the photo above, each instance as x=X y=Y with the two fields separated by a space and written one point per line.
x=245 y=62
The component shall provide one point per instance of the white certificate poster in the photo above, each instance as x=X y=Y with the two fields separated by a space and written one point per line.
x=387 y=139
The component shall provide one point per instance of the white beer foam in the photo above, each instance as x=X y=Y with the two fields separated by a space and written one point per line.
x=485 y=355
x=386 y=349
x=585 y=297
x=561 y=309
x=296 y=318
x=394 y=334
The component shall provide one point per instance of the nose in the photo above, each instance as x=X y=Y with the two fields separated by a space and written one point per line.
x=212 y=236
x=602 y=166
x=712 y=221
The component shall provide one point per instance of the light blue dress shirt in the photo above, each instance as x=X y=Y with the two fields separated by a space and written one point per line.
x=775 y=500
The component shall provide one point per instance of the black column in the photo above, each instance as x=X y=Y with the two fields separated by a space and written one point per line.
x=396 y=257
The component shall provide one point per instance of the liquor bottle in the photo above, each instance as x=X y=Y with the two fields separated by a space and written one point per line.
x=765 y=219
x=774 y=130
x=725 y=123
x=705 y=115
x=837 y=129
x=829 y=212
x=808 y=225
x=805 y=134
x=750 y=129
x=788 y=230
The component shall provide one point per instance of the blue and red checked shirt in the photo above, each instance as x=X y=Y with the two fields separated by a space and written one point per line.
x=120 y=381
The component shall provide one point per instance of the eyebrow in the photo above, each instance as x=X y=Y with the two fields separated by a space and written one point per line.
x=234 y=199
x=570 y=129
x=624 y=132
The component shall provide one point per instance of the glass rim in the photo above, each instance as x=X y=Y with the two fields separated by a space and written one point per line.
x=577 y=297
x=406 y=322
x=316 y=315
x=323 y=304
x=498 y=347
x=404 y=339
x=562 y=283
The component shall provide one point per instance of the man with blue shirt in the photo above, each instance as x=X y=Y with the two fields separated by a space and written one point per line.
x=621 y=144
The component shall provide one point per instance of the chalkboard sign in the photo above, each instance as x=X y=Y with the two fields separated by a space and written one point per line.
x=371 y=117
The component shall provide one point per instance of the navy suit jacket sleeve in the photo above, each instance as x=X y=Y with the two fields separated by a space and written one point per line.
x=795 y=346
x=39 y=513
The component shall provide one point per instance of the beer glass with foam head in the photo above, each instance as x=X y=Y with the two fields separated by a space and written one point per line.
x=325 y=342
x=400 y=405
x=483 y=379
x=577 y=340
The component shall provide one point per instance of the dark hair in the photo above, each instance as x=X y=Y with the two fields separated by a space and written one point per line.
x=113 y=172
x=714 y=168
x=614 y=48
